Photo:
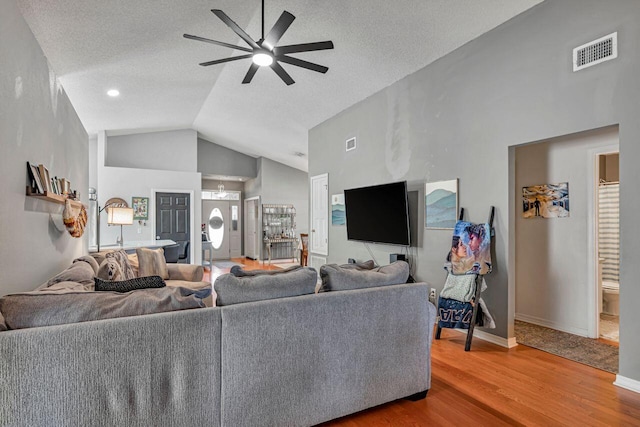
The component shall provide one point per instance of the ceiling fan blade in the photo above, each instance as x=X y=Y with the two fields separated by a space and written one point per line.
x=250 y=73
x=304 y=64
x=220 y=61
x=236 y=29
x=278 y=30
x=202 y=39
x=304 y=47
x=282 y=73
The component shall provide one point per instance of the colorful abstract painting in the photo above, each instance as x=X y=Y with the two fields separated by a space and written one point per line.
x=441 y=204
x=546 y=201
x=338 y=216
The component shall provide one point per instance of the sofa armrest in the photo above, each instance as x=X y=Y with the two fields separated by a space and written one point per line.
x=188 y=272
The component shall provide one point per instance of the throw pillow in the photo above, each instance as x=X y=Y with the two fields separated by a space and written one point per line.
x=364 y=265
x=237 y=271
x=89 y=260
x=120 y=256
x=151 y=262
x=129 y=285
x=81 y=272
x=234 y=290
x=110 y=270
x=35 y=309
x=336 y=278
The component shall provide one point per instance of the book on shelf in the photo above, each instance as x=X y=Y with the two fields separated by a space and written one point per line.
x=34 y=178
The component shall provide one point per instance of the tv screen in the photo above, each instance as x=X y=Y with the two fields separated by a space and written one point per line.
x=378 y=214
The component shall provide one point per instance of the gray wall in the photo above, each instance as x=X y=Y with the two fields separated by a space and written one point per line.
x=552 y=255
x=37 y=124
x=168 y=150
x=218 y=160
x=458 y=117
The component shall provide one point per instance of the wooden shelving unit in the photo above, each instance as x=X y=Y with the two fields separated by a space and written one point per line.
x=54 y=198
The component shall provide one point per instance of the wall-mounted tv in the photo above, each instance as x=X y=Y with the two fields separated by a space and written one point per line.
x=378 y=214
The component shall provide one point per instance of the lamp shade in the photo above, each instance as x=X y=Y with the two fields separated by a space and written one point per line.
x=120 y=216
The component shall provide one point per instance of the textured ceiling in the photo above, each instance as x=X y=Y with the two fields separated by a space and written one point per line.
x=138 y=48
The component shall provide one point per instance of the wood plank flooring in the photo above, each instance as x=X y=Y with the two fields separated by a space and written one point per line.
x=495 y=386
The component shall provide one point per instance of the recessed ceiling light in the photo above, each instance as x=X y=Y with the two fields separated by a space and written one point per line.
x=113 y=92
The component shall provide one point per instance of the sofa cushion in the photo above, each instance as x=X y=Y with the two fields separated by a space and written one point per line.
x=233 y=290
x=238 y=271
x=48 y=307
x=129 y=285
x=80 y=271
x=337 y=278
x=151 y=262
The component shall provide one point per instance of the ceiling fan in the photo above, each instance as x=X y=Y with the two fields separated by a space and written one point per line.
x=264 y=52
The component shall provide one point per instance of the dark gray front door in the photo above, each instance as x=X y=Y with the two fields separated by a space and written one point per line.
x=172 y=219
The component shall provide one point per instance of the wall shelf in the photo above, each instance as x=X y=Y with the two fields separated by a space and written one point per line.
x=54 y=198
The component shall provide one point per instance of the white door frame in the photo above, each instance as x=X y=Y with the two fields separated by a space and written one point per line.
x=593 y=314
x=256 y=249
x=312 y=235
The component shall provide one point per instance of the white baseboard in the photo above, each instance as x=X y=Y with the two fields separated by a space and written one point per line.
x=552 y=325
x=494 y=339
x=627 y=383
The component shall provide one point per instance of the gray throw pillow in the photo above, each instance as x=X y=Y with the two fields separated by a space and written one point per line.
x=234 y=290
x=336 y=278
x=364 y=265
x=238 y=271
x=78 y=271
x=34 y=309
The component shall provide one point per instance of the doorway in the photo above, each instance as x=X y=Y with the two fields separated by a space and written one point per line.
x=608 y=244
x=319 y=236
x=173 y=214
x=223 y=227
x=251 y=221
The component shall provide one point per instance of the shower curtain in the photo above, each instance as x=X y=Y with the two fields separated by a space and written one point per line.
x=609 y=230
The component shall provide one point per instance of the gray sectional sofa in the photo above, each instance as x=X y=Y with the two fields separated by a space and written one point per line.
x=294 y=361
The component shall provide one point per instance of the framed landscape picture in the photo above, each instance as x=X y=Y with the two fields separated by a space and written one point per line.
x=441 y=204
x=337 y=210
x=140 y=207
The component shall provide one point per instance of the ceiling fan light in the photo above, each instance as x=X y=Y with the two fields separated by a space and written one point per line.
x=262 y=59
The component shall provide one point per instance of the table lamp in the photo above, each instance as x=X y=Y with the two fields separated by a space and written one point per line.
x=120 y=216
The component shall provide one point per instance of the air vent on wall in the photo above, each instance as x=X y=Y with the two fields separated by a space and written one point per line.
x=595 y=52
x=351 y=144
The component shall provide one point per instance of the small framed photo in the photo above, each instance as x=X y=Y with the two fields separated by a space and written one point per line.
x=441 y=204
x=140 y=207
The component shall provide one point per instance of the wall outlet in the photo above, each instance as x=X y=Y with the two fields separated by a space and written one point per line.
x=139 y=230
x=432 y=296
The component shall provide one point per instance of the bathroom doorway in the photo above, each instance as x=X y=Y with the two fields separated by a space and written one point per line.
x=608 y=244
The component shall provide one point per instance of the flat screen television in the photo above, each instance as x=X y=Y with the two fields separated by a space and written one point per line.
x=378 y=214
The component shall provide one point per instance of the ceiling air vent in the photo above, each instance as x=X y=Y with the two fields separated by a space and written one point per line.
x=595 y=52
x=351 y=144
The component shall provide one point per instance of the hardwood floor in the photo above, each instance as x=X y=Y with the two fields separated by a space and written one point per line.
x=213 y=272
x=495 y=386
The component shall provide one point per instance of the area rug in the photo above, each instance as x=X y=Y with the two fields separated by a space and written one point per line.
x=579 y=349
x=225 y=264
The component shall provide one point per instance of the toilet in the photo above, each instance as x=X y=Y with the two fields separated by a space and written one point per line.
x=610 y=298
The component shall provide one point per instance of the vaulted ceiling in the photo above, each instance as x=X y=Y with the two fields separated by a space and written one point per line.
x=137 y=47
